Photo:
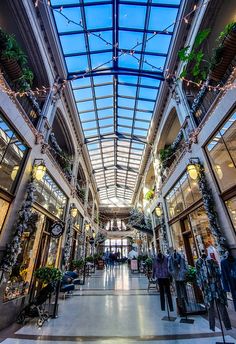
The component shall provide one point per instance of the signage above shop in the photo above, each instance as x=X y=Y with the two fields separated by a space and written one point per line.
x=57 y=229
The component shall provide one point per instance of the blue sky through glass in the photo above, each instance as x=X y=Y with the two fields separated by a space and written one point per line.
x=115 y=92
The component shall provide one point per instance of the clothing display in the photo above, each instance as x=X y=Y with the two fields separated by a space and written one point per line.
x=228 y=270
x=213 y=254
x=164 y=287
x=177 y=266
x=209 y=280
x=160 y=267
x=160 y=271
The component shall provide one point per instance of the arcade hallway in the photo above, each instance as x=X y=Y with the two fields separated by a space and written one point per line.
x=114 y=307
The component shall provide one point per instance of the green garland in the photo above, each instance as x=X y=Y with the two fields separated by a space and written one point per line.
x=209 y=205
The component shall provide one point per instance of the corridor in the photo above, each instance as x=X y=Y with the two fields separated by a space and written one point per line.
x=113 y=307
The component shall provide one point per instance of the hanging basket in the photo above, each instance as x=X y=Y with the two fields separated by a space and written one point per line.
x=227 y=54
x=11 y=67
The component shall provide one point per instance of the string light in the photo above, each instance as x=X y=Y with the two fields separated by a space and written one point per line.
x=131 y=52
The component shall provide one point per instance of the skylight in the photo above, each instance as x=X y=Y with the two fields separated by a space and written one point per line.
x=115 y=53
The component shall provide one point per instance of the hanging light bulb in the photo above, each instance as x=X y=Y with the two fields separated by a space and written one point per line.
x=14 y=172
x=158 y=211
x=192 y=171
x=39 y=171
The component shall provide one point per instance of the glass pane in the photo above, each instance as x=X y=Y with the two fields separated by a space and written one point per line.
x=231 y=206
x=4 y=205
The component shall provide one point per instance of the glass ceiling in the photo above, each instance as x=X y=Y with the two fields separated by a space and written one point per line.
x=115 y=66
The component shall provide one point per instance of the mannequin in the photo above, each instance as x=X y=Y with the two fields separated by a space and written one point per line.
x=212 y=252
x=160 y=271
x=177 y=268
x=208 y=279
x=228 y=270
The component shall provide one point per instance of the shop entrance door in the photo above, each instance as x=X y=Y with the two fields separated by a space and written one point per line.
x=189 y=243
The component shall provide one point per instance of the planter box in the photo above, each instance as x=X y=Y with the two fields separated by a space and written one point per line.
x=12 y=68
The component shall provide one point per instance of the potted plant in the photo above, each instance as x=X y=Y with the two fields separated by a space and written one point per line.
x=224 y=53
x=78 y=265
x=48 y=275
x=191 y=275
x=15 y=61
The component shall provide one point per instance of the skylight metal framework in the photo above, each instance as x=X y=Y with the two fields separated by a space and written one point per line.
x=116 y=101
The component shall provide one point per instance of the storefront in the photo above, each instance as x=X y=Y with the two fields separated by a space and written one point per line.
x=39 y=244
x=12 y=156
x=221 y=151
x=120 y=246
x=188 y=221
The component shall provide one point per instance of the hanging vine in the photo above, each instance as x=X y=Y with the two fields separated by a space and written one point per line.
x=25 y=220
x=68 y=242
x=209 y=206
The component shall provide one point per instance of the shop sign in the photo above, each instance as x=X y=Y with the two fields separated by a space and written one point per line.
x=57 y=230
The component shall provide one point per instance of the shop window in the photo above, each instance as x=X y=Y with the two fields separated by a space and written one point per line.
x=52 y=253
x=231 y=206
x=12 y=153
x=50 y=196
x=4 y=205
x=20 y=279
x=222 y=154
x=177 y=237
x=184 y=194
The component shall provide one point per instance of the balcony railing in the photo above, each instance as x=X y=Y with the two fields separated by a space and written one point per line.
x=64 y=165
x=179 y=147
x=80 y=192
x=201 y=101
x=31 y=105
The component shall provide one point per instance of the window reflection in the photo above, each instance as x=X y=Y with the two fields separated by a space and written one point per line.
x=231 y=206
x=12 y=153
x=222 y=154
x=50 y=197
x=184 y=193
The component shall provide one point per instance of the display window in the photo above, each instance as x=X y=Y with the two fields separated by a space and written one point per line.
x=20 y=279
x=222 y=155
x=12 y=154
x=184 y=193
x=231 y=207
x=192 y=234
x=4 y=206
x=50 y=196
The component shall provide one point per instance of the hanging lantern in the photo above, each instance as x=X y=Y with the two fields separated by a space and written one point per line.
x=158 y=211
x=73 y=211
x=192 y=171
x=39 y=171
x=14 y=172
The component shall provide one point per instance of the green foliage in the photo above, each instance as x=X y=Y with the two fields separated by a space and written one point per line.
x=142 y=258
x=148 y=262
x=78 y=264
x=10 y=49
x=191 y=274
x=89 y=259
x=165 y=154
x=149 y=195
x=227 y=29
x=48 y=275
x=196 y=56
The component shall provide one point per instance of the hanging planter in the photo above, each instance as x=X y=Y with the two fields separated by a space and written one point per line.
x=14 y=62
x=225 y=53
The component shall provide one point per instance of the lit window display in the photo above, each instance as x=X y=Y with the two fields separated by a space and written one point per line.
x=184 y=193
x=19 y=281
x=222 y=154
x=231 y=206
x=50 y=196
x=192 y=234
x=12 y=153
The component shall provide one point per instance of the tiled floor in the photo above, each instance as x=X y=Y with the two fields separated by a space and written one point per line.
x=114 y=307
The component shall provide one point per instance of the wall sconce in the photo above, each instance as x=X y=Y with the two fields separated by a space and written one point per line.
x=87 y=227
x=158 y=211
x=193 y=168
x=73 y=210
x=39 y=169
x=14 y=172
